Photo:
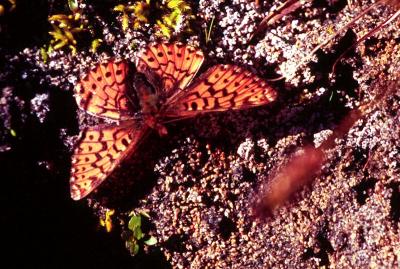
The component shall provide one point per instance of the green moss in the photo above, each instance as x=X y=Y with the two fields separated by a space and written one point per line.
x=68 y=29
x=167 y=16
x=65 y=29
x=137 y=13
x=176 y=11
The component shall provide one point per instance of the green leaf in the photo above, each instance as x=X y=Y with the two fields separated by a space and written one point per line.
x=57 y=35
x=138 y=234
x=50 y=49
x=135 y=249
x=73 y=5
x=144 y=213
x=13 y=133
x=125 y=22
x=174 y=4
x=151 y=241
x=135 y=222
x=43 y=53
x=60 y=44
x=95 y=44
x=119 y=8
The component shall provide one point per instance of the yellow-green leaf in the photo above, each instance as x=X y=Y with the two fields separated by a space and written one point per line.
x=73 y=5
x=174 y=4
x=151 y=241
x=119 y=8
x=60 y=44
x=43 y=53
x=95 y=44
x=125 y=22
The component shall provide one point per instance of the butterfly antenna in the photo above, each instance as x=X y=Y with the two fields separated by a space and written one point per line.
x=179 y=119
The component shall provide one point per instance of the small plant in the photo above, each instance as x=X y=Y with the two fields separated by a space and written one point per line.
x=66 y=27
x=177 y=10
x=134 y=236
x=95 y=44
x=168 y=15
x=139 y=12
x=13 y=133
x=106 y=222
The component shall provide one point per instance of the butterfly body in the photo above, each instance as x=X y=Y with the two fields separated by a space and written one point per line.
x=162 y=91
x=151 y=105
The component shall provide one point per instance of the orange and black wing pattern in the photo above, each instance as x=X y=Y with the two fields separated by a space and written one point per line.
x=103 y=91
x=99 y=150
x=221 y=88
x=169 y=67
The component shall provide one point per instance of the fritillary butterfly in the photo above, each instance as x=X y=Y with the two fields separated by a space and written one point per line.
x=162 y=91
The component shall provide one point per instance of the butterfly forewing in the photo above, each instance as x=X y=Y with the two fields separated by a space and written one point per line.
x=174 y=65
x=103 y=91
x=220 y=88
x=99 y=151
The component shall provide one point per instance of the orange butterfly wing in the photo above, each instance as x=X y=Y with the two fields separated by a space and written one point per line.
x=103 y=91
x=169 y=66
x=220 y=88
x=99 y=151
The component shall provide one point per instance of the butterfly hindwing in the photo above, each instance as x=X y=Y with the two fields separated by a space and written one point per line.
x=103 y=91
x=220 y=88
x=99 y=150
x=173 y=64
